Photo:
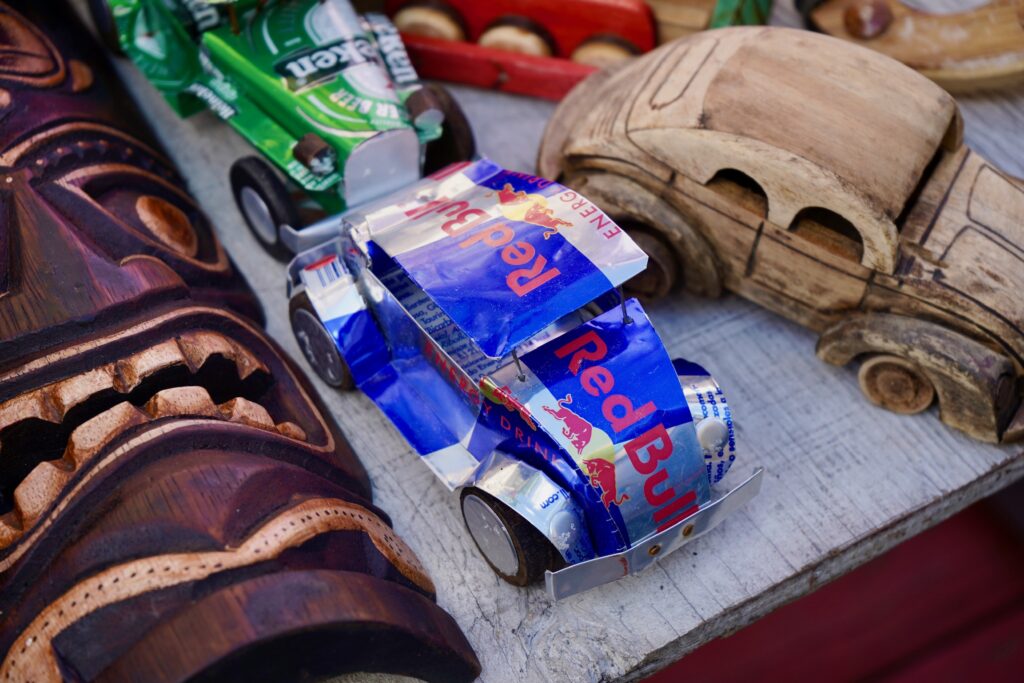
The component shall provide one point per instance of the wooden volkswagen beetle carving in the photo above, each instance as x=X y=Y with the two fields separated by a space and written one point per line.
x=828 y=183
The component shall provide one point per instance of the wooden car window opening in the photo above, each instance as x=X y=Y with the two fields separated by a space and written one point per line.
x=821 y=227
x=740 y=189
x=830 y=231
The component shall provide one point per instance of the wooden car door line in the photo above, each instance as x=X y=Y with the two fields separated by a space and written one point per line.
x=805 y=265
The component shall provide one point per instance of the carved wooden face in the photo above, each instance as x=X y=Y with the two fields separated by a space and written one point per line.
x=162 y=464
x=95 y=220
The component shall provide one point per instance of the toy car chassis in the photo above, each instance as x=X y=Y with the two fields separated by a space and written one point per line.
x=479 y=311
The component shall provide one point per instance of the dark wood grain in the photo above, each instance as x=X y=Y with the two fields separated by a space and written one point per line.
x=175 y=502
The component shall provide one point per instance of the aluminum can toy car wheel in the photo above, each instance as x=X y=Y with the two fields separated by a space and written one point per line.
x=264 y=202
x=514 y=549
x=317 y=344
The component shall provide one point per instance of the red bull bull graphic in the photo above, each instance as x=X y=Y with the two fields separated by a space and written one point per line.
x=602 y=478
x=576 y=429
x=508 y=195
x=541 y=215
x=578 y=424
x=536 y=210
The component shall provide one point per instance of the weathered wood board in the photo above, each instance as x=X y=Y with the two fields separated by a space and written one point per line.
x=845 y=481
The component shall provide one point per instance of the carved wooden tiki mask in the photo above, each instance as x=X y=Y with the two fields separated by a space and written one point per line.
x=174 y=501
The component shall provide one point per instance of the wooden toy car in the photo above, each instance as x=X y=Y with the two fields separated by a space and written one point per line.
x=829 y=184
x=542 y=48
x=979 y=48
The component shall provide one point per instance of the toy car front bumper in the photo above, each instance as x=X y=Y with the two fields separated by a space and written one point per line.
x=592 y=573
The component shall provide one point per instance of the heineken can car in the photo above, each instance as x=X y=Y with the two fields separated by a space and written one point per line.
x=328 y=97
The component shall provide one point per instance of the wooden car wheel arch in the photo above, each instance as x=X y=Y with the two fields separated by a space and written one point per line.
x=975 y=385
x=678 y=252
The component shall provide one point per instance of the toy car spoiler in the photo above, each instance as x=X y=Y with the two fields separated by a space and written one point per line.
x=534 y=250
x=581 y=577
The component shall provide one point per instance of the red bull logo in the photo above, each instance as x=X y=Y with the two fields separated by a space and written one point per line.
x=648 y=452
x=545 y=218
x=530 y=208
x=602 y=478
x=575 y=428
x=508 y=195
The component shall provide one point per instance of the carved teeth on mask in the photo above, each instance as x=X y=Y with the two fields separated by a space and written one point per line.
x=67 y=401
x=44 y=483
x=52 y=402
x=246 y=412
x=291 y=430
x=181 y=401
x=93 y=435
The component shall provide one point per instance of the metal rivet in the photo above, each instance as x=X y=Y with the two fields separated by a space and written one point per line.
x=654 y=550
x=687 y=530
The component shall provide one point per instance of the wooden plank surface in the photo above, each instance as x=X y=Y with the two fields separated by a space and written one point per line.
x=845 y=481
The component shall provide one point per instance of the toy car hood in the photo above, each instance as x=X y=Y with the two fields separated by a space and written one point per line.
x=958 y=254
x=503 y=254
x=749 y=99
x=609 y=395
x=322 y=64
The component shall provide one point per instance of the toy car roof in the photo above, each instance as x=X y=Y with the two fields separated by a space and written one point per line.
x=504 y=254
x=812 y=119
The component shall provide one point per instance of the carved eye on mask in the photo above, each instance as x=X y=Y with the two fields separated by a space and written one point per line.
x=125 y=197
x=26 y=55
x=152 y=211
x=168 y=223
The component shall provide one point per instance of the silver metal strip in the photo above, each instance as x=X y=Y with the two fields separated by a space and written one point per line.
x=592 y=573
x=310 y=236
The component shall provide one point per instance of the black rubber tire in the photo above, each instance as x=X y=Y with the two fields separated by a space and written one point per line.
x=805 y=7
x=316 y=344
x=535 y=553
x=106 y=27
x=258 y=175
x=456 y=142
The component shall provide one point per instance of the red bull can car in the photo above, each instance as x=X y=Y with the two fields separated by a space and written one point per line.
x=328 y=97
x=480 y=310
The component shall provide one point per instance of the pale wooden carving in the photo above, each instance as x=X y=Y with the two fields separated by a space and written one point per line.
x=828 y=183
x=964 y=51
